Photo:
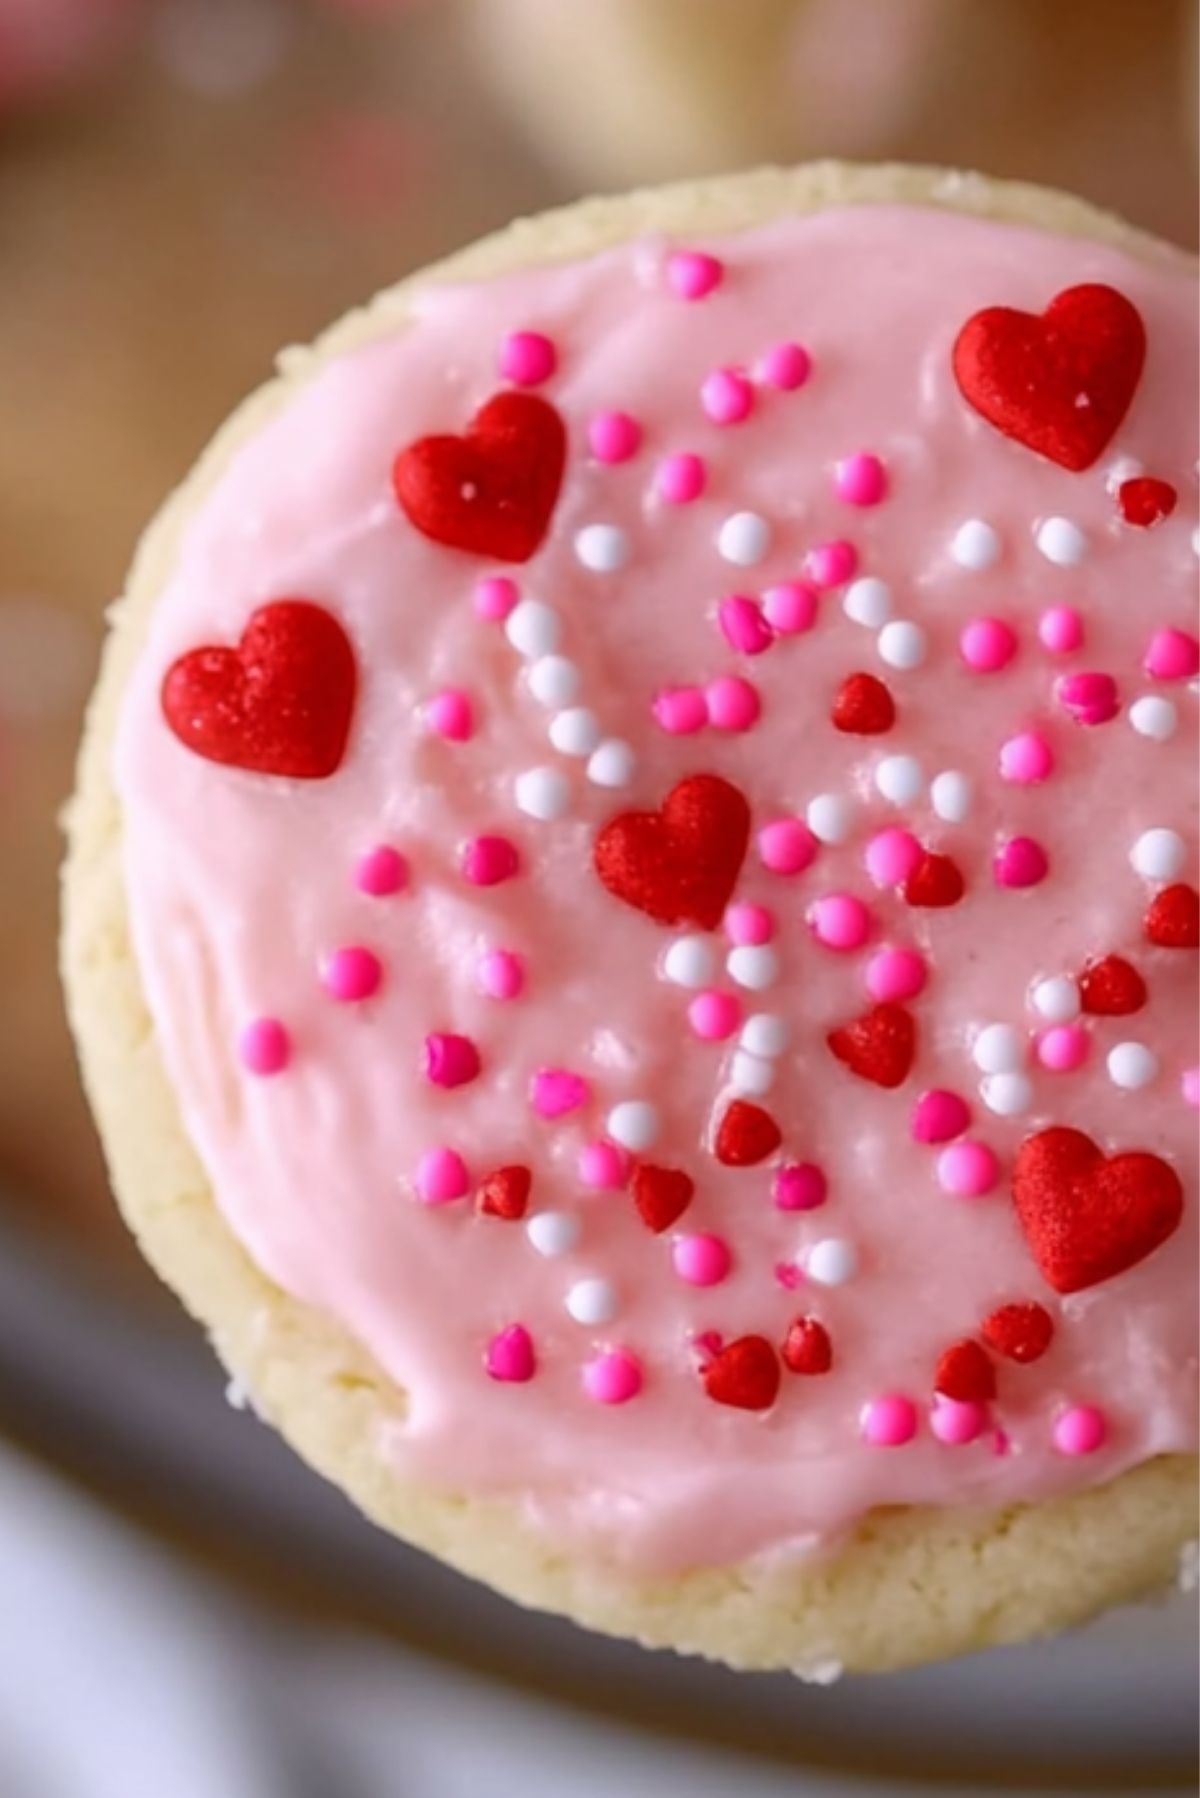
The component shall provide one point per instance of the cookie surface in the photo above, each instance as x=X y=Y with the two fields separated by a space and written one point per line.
x=637 y=1006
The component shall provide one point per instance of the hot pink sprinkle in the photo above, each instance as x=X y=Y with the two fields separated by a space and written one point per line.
x=1063 y=1048
x=1172 y=655
x=1081 y=1430
x=789 y=1275
x=1060 y=630
x=839 y=921
x=614 y=436
x=500 y=973
x=612 y=1378
x=450 y=1060
x=987 y=644
x=969 y=1170
x=714 y=1016
x=449 y=714
x=831 y=564
x=707 y=1344
x=1026 y=758
x=681 y=710
x=265 y=1046
x=785 y=366
x=1001 y=1444
x=801 y=1186
x=442 y=1176
x=1189 y=1086
x=681 y=479
x=494 y=597
x=603 y=1166
x=510 y=1355
x=527 y=358
x=860 y=480
x=487 y=861
x=691 y=274
x=743 y=625
x=380 y=872
x=353 y=973
x=891 y=856
x=1020 y=863
x=894 y=974
x=749 y=925
x=889 y=1421
x=733 y=704
x=939 y=1116
x=956 y=1421
x=790 y=607
x=727 y=396
x=786 y=846
x=1090 y=698
x=556 y=1091
x=701 y=1260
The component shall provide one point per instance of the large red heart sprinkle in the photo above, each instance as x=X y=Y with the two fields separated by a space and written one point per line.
x=491 y=491
x=1173 y=919
x=747 y=1135
x=505 y=1193
x=1111 y=988
x=934 y=882
x=863 y=707
x=1020 y=1332
x=745 y=1374
x=1060 y=384
x=807 y=1348
x=280 y=703
x=680 y=864
x=1088 y=1217
x=662 y=1195
x=965 y=1374
x=1145 y=501
x=880 y=1046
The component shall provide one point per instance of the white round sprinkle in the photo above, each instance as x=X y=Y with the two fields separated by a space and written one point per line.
x=899 y=779
x=1131 y=1065
x=751 y=1075
x=542 y=793
x=998 y=1049
x=868 y=601
x=1125 y=468
x=1061 y=541
x=604 y=548
x=592 y=1302
x=744 y=539
x=1154 y=717
x=950 y=793
x=552 y=1232
x=612 y=764
x=765 y=1034
x=1159 y=854
x=553 y=680
x=1056 y=999
x=533 y=628
x=829 y=817
x=1196 y=541
x=690 y=961
x=634 y=1124
x=902 y=644
x=976 y=544
x=1008 y=1095
x=753 y=965
x=575 y=731
x=832 y=1261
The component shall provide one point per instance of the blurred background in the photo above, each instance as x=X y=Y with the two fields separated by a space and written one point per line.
x=184 y=186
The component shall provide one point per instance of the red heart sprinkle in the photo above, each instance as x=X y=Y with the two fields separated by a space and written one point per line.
x=491 y=491
x=1173 y=919
x=747 y=1135
x=661 y=1194
x=863 y=707
x=505 y=1193
x=806 y=1347
x=935 y=881
x=745 y=1374
x=679 y=864
x=1019 y=1332
x=965 y=1374
x=1145 y=501
x=1059 y=384
x=880 y=1046
x=1088 y=1217
x=1111 y=988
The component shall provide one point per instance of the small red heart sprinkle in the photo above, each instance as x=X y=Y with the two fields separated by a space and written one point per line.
x=1173 y=920
x=880 y=1046
x=863 y=707
x=745 y=1374
x=965 y=1374
x=1086 y=1216
x=679 y=864
x=1111 y=988
x=935 y=881
x=806 y=1347
x=661 y=1194
x=1145 y=501
x=505 y=1193
x=1019 y=1332
x=747 y=1135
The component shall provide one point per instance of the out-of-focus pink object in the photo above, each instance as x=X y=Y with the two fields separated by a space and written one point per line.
x=47 y=46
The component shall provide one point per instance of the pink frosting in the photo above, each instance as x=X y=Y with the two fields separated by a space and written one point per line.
x=245 y=888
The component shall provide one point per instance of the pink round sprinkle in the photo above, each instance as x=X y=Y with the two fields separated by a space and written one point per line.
x=749 y=925
x=353 y=973
x=557 y=1091
x=860 y=480
x=680 y=479
x=265 y=1046
x=494 y=597
x=786 y=846
x=612 y=1378
x=681 y=710
x=891 y=856
x=799 y=1187
x=743 y=625
x=381 y=871
x=955 y=1421
x=603 y=1166
x=967 y=1169
x=889 y=1421
x=939 y=1116
x=450 y=1060
x=701 y=1260
x=1060 y=630
x=839 y=921
x=1081 y=1430
x=614 y=436
x=691 y=274
x=527 y=358
x=894 y=974
x=442 y=1176
x=727 y=396
x=500 y=973
x=791 y=607
x=1020 y=863
x=987 y=644
x=449 y=714
x=510 y=1355
x=714 y=1016
x=733 y=704
x=830 y=564
x=1172 y=655
x=1026 y=758
x=785 y=366
x=1090 y=698
x=486 y=861
x=1189 y=1086
x=1063 y=1048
